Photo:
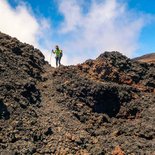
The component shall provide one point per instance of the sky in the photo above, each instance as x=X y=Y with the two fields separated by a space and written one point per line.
x=83 y=29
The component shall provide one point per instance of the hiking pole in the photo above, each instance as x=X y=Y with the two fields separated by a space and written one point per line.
x=50 y=58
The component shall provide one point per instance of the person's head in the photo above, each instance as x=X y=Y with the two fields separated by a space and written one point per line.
x=57 y=47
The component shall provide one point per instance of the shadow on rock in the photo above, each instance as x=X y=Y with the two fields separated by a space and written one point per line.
x=4 y=113
x=31 y=93
x=108 y=103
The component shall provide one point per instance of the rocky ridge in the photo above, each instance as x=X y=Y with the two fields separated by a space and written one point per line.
x=103 y=106
x=149 y=58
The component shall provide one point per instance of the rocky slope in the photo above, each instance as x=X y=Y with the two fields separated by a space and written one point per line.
x=103 y=106
x=20 y=70
x=148 y=58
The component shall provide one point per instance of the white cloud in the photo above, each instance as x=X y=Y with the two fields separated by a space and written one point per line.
x=108 y=25
x=21 y=23
x=88 y=28
x=18 y=22
x=71 y=11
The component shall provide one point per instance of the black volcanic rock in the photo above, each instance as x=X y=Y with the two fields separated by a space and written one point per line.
x=21 y=66
x=97 y=100
x=102 y=106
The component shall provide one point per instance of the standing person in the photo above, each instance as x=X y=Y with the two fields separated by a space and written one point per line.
x=58 y=55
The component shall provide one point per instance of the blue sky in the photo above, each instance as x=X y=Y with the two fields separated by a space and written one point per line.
x=83 y=29
x=147 y=37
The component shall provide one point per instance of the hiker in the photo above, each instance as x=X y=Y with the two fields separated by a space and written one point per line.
x=58 y=55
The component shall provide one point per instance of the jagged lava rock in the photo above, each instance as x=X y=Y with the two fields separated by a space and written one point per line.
x=101 y=106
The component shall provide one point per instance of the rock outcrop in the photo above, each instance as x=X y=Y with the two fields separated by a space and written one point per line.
x=21 y=67
x=103 y=106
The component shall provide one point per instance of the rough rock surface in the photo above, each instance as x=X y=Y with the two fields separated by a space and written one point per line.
x=103 y=106
x=20 y=70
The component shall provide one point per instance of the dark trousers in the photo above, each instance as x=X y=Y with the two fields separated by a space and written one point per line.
x=58 y=60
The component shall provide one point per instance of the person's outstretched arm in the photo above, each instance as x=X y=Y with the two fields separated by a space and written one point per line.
x=53 y=51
